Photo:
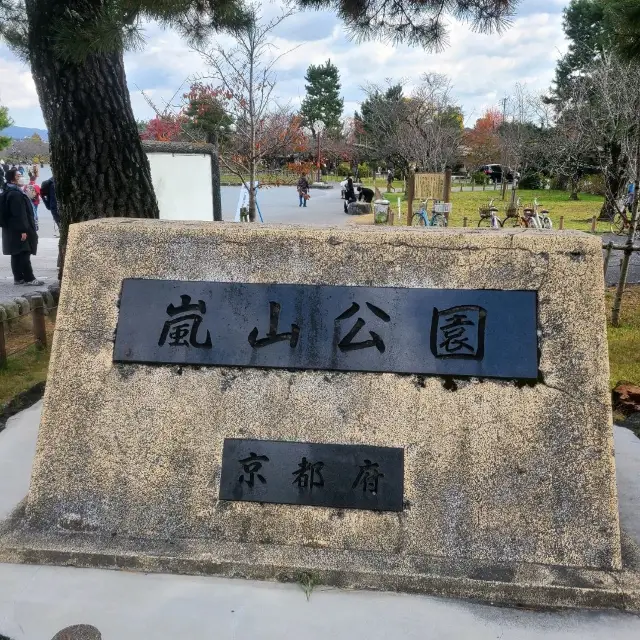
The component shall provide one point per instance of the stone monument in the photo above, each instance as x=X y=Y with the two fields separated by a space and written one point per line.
x=378 y=408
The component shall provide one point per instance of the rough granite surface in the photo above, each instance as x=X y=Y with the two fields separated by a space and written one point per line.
x=494 y=471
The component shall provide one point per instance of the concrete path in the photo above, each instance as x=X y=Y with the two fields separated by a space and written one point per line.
x=37 y=602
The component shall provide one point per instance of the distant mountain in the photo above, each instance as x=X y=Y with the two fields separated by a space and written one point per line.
x=18 y=133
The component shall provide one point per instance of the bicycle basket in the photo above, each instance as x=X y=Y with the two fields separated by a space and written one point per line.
x=442 y=207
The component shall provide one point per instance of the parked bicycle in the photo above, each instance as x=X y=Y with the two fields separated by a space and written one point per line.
x=536 y=218
x=489 y=216
x=532 y=217
x=620 y=221
x=438 y=214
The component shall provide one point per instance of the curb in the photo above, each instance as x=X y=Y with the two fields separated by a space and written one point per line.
x=23 y=305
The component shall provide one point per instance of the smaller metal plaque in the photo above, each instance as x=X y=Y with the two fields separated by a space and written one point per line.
x=320 y=475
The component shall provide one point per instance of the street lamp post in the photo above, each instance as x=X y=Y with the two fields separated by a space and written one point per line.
x=319 y=127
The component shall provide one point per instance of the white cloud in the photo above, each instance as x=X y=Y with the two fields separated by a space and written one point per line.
x=483 y=68
x=17 y=89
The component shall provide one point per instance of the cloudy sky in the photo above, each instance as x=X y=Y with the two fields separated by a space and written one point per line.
x=483 y=68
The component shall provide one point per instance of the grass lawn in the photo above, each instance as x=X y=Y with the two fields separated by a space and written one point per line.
x=624 y=342
x=26 y=365
x=577 y=215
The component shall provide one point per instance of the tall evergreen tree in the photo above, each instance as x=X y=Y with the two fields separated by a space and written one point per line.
x=323 y=101
x=589 y=33
x=624 y=18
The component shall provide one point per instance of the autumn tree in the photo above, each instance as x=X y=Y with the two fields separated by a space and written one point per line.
x=483 y=141
x=263 y=128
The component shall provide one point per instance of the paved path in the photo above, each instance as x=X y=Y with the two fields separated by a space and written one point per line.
x=37 y=602
x=613 y=272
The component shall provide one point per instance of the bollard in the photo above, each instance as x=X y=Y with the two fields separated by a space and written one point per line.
x=594 y=220
x=561 y=227
x=39 y=326
x=607 y=257
x=3 y=347
x=464 y=221
x=392 y=217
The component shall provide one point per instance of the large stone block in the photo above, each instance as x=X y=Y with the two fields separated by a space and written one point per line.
x=509 y=487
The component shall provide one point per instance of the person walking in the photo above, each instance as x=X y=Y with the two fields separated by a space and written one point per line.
x=48 y=194
x=303 y=190
x=33 y=193
x=19 y=234
x=390 y=181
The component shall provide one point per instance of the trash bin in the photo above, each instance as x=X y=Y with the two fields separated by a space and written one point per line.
x=381 y=211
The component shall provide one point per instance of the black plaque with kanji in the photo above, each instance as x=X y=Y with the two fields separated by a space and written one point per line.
x=449 y=332
x=321 y=475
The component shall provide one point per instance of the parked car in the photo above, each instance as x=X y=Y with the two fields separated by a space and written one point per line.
x=494 y=171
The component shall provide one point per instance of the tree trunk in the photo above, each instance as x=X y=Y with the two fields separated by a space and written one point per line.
x=575 y=188
x=97 y=159
x=615 y=180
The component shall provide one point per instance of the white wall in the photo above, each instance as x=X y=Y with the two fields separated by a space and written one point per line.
x=182 y=183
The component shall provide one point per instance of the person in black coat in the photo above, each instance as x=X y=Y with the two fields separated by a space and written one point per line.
x=349 y=193
x=365 y=194
x=19 y=235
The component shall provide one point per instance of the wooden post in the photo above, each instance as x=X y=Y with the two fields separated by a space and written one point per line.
x=411 y=188
x=446 y=191
x=39 y=326
x=3 y=347
x=391 y=217
x=594 y=221
x=607 y=257
x=561 y=227
x=464 y=221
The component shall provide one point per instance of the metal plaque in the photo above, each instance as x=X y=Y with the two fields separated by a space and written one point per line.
x=319 y=475
x=447 y=332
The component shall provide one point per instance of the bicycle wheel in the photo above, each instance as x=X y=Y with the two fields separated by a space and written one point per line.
x=512 y=222
x=418 y=220
x=619 y=224
x=438 y=220
x=484 y=222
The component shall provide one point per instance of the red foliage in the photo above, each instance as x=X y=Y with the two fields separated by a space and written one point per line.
x=163 y=128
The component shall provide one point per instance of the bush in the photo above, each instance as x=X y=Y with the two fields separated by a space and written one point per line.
x=363 y=170
x=344 y=169
x=593 y=185
x=532 y=181
x=560 y=183
x=480 y=177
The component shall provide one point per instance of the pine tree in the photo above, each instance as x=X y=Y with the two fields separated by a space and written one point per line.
x=323 y=101
x=624 y=18
x=75 y=49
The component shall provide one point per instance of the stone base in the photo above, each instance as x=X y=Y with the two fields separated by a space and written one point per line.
x=358 y=208
x=512 y=584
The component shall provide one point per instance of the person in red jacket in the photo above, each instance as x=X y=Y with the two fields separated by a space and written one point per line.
x=33 y=193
